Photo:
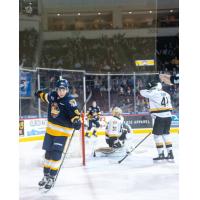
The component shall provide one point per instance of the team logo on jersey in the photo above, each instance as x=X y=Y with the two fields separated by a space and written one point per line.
x=54 y=110
x=73 y=103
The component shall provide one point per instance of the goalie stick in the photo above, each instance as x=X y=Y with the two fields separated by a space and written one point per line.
x=70 y=139
x=132 y=149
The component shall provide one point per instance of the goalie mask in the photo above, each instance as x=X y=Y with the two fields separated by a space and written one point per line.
x=116 y=111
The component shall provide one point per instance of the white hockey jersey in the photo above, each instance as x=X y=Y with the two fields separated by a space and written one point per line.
x=159 y=101
x=114 y=127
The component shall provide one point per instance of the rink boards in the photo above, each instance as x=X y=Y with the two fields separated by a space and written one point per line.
x=34 y=129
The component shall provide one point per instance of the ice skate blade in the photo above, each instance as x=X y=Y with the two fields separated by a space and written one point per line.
x=170 y=160
x=95 y=136
x=159 y=161
x=41 y=187
x=44 y=190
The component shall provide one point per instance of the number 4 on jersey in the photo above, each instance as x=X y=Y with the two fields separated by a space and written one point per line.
x=164 y=101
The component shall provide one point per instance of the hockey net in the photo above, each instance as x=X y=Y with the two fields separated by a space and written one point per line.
x=75 y=148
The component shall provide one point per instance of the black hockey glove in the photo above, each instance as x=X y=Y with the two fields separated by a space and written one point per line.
x=76 y=124
x=37 y=94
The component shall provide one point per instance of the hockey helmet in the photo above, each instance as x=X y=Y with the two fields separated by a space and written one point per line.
x=62 y=83
x=116 y=111
x=154 y=86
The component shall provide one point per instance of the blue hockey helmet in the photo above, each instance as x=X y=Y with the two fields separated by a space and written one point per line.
x=63 y=83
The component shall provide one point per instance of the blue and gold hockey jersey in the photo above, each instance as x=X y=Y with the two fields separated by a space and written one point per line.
x=61 y=113
x=93 y=112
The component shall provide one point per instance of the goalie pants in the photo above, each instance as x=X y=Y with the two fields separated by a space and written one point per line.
x=110 y=141
x=54 y=146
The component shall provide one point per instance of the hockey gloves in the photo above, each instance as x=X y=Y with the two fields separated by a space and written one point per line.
x=76 y=124
x=37 y=94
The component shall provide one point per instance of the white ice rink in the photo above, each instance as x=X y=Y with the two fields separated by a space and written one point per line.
x=136 y=178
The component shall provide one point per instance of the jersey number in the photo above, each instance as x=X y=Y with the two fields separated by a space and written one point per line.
x=164 y=101
x=114 y=128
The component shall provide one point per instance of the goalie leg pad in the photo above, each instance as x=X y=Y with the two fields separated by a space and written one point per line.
x=123 y=135
x=110 y=141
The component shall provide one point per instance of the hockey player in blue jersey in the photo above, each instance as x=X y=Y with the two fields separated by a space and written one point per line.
x=93 y=115
x=63 y=118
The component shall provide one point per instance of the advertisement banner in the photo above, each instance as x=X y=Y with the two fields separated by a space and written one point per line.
x=138 y=121
x=33 y=127
x=135 y=121
x=25 y=84
x=21 y=128
x=37 y=127
x=175 y=120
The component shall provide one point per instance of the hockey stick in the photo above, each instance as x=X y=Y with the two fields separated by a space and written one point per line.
x=128 y=152
x=70 y=139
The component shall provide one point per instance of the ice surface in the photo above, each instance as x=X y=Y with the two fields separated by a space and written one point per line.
x=136 y=178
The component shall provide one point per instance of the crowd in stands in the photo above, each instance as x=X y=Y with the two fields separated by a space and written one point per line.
x=97 y=55
x=168 y=54
x=115 y=54
x=28 y=40
x=125 y=92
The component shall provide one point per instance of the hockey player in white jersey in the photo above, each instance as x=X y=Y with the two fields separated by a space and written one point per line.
x=160 y=109
x=116 y=130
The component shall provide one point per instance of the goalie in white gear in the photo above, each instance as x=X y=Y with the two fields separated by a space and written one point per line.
x=116 y=130
x=160 y=109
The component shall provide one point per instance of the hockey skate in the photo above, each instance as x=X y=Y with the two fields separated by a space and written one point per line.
x=170 y=156
x=87 y=135
x=43 y=182
x=49 y=184
x=160 y=158
x=94 y=134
